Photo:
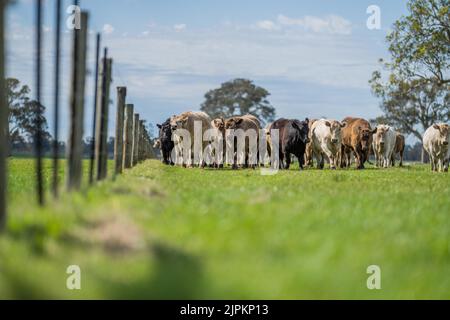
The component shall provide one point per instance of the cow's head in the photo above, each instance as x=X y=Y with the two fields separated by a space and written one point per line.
x=233 y=123
x=219 y=124
x=443 y=133
x=335 y=130
x=165 y=131
x=365 y=135
x=302 y=129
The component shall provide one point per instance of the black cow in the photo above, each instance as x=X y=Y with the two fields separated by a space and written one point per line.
x=165 y=140
x=293 y=136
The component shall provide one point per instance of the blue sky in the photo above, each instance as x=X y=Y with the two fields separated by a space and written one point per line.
x=314 y=57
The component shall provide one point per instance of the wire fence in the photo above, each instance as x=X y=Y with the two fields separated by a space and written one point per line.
x=132 y=140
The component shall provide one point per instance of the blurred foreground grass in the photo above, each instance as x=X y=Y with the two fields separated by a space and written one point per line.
x=168 y=232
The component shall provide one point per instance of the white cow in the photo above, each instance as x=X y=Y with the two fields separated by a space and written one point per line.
x=435 y=142
x=326 y=140
x=383 y=145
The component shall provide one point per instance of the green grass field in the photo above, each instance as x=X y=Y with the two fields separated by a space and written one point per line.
x=169 y=232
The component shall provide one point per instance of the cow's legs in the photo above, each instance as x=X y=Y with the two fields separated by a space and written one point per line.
x=349 y=158
x=356 y=155
x=365 y=157
x=281 y=160
x=319 y=158
x=359 y=159
x=440 y=165
x=287 y=157
x=301 y=160
x=332 y=162
x=331 y=159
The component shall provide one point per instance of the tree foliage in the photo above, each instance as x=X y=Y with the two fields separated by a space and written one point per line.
x=22 y=114
x=420 y=42
x=415 y=93
x=238 y=97
x=411 y=106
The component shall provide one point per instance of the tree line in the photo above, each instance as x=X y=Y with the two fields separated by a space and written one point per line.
x=21 y=130
x=414 y=85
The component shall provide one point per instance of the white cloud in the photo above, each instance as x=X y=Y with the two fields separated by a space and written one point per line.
x=108 y=29
x=267 y=25
x=323 y=59
x=331 y=24
x=179 y=27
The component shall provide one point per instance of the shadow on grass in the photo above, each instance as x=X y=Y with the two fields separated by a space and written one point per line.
x=176 y=275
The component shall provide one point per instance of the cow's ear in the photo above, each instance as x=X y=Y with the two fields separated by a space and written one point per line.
x=239 y=120
x=327 y=123
x=343 y=124
x=159 y=126
x=436 y=126
x=306 y=120
x=374 y=130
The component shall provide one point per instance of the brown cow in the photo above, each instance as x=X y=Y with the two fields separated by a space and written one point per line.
x=356 y=138
x=399 y=149
x=250 y=125
x=309 y=147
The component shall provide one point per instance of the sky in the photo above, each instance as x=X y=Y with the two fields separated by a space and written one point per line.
x=315 y=57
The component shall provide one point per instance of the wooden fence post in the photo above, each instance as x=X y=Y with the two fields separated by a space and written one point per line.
x=94 y=120
x=38 y=139
x=75 y=144
x=3 y=122
x=141 y=141
x=128 y=136
x=118 y=142
x=56 y=97
x=135 y=140
x=101 y=137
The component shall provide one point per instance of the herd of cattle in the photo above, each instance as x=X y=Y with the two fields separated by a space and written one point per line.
x=322 y=139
